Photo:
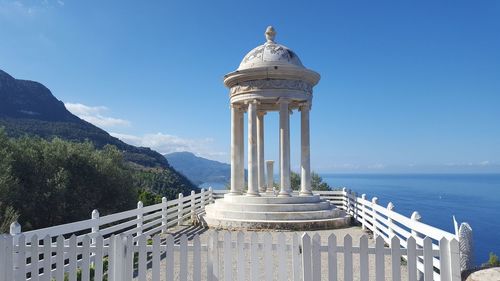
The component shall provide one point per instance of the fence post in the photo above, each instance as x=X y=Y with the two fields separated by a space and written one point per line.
x=355 y=205
x=95 y=225
x=202 y=203
x=390 y=207
x=363 y=212
x=417 y=217
x=346 y=202
x=466 y=248
x=210 y=195
x=180 y=209
x=192 y=206
x=140 y=217
x=15 y=230
x=12 y=258
x=164 y=215
x=374 y=217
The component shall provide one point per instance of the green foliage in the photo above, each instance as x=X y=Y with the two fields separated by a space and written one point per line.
x=81 y=131
x=45 y=183
x=493 y=260
x=148 y=198
x=316 y=182
x=164 y=182
x=9 y=216
x=91 y=273
x=295 y=181
x=55 y=182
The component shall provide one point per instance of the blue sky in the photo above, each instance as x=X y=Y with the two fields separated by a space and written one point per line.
x=407 y=86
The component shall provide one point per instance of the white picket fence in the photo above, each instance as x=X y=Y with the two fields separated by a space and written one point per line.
x=430 y=253
x=225 y=256
x=386 y=223
x=147 y=220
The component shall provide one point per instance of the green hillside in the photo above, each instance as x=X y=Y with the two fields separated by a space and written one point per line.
x=198 y=169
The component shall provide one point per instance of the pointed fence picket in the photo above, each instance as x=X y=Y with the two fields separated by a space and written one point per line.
x=225 y=257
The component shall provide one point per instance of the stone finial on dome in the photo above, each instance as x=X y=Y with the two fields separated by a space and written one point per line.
x=270 y=34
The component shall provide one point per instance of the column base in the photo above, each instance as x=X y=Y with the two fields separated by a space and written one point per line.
x=284 y=194
x=305 y=193
x=235 y=193
x=252 y=194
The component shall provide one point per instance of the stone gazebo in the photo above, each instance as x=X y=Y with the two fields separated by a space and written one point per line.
x=271 y=77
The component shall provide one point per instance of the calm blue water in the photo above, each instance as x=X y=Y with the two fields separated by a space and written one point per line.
x=470 y=198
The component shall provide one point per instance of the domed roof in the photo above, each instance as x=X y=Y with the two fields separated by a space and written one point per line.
x=270 y=54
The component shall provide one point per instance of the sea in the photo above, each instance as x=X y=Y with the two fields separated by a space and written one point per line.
x=471 y=198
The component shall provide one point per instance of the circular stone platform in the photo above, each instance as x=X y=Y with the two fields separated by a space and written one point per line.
x=270 y=212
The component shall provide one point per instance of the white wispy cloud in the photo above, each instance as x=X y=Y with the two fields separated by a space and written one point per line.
x=376 y=166
x=165 y=143
x=22 y=10
x=15 y=9
x=96 y=115
x=484 y=163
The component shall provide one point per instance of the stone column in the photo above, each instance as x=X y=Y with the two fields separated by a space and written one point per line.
x=260 y=148
x=241 y=140
x=253 y=189
x=270 y=175
x=305 y=158
x=284 y=148
x=235 y=150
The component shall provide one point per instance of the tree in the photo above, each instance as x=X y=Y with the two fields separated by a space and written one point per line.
x=8 y=216
x=316 y=182
x=55 y=182
x=7 y=213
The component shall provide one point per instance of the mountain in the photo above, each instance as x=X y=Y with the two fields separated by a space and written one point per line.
x=198 y=169
x=29 y=108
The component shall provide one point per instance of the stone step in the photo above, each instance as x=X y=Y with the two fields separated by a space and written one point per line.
x=300 y=207
x=234 y=224
x=214 y=212
x=267 y=199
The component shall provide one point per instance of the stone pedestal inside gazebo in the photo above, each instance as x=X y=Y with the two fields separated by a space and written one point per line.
x=271 y=212
x=271 y=78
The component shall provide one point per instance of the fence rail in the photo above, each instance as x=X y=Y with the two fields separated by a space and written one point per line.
x=105 y=243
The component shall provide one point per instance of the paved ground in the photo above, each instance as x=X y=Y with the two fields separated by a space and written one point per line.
x=355 y=232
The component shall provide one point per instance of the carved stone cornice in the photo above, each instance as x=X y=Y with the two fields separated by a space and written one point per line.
x=266 y=84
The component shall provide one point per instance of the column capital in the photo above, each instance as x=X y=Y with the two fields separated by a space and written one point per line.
x=305 y=106
x=261 y=112
x=237 y=106
x=253 y=101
